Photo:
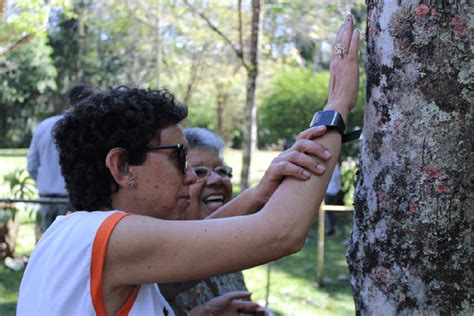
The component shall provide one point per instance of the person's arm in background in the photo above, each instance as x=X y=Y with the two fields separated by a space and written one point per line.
x=33 y=159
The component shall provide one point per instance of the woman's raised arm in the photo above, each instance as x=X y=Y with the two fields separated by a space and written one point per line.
x=145 y=250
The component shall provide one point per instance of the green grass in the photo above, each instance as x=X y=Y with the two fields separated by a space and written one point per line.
x=293 y=289
x=9 y=284
x=10 y=280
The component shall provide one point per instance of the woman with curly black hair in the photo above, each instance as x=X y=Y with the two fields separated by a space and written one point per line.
x=123 y=156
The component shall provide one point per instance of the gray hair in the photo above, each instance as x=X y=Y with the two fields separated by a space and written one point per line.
x=204 y=138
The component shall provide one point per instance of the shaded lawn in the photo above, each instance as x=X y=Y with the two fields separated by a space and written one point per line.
x=9 y=284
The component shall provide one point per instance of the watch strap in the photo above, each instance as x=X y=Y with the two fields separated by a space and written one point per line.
x=351 y=136
x=333 y=121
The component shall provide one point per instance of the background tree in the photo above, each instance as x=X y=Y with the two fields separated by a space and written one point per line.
x=249 y=60
x=249 y=139
x=410 y=245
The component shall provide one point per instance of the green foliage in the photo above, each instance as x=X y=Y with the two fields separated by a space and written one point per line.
x=21 y=185
x=348 y=180
x=289 y=104
x=27 y=73
x=26 y=70
x=93 y=57
x=26 y=19
x=202 y=115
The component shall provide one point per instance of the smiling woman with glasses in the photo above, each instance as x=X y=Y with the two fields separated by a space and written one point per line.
x=213 y=187
x=107 y=258
x=203 y=172
x=211 y=191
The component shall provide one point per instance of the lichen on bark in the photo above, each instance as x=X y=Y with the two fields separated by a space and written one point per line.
x=410 y=241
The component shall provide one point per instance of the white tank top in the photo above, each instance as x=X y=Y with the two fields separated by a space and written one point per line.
x=64 y=273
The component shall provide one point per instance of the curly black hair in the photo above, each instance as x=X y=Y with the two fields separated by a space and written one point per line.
x=119 y=117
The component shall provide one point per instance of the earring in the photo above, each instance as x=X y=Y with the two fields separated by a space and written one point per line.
x=132 y=184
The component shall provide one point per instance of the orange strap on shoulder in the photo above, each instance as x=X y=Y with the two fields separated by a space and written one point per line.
x=97 y=266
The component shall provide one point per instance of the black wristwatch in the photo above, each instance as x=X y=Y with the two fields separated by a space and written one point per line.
x=333 y=121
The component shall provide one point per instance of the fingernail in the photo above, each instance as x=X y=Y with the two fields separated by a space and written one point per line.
x=320 y=167
x=306 y=174
x=320 y=128
x=327 y=153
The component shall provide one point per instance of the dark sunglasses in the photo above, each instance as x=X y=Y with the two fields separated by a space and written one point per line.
x=222 y=171
x=182 y=151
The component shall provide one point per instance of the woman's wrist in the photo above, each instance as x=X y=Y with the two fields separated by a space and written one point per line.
x=343 y=109
x=258 y=199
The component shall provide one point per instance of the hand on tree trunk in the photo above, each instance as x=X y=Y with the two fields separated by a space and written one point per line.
x=344 y=79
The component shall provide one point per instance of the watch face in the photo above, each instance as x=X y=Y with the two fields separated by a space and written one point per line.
x=331 y=119
x=327 y=118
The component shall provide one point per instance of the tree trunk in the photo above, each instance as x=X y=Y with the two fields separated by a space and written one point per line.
x=4 y=126
x=3 y=9
x=82 y=38
x=222 y=101
x=158 y=44
x=410 y=244
x=47 y=12
x=193 y=74
x=250 y=111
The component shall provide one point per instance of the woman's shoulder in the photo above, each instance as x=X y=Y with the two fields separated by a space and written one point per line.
x=79 y=223
x=89 y=215
x=83 y=217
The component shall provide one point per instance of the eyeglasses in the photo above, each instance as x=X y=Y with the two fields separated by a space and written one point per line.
x=203 y=172
x=182 y=151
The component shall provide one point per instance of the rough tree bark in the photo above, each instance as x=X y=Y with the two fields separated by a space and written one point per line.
x=249 y=138
x=410 y=246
